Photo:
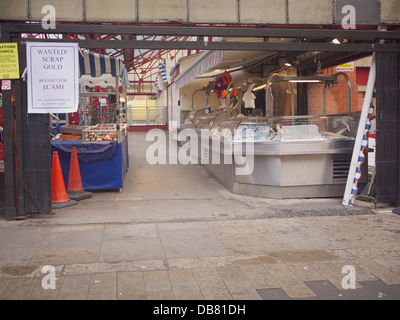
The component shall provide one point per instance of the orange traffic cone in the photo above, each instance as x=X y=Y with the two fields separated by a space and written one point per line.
x=75 y=189
x=58 y=193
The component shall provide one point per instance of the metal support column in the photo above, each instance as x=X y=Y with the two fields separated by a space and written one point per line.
x=387 y=128
x=8 y=136
x=19 y=105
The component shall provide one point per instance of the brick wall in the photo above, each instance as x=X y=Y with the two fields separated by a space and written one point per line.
x=336 y=97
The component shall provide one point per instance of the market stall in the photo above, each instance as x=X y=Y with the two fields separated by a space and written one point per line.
x=102 y=163
x=293 y=156
x=102 y=147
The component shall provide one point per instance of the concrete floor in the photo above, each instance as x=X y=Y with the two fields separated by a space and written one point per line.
x=173 y=232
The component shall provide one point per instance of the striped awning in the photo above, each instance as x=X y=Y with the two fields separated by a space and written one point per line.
x=96 y=64
x=162 y=68
x=202 y=65
x=95 y=67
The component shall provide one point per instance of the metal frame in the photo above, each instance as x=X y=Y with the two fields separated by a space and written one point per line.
x=201 y=31
x=301 y=40
x=10 y=210
x=238 y=46
x=325 y=80
x=276 y=77
x=142 y=63
x=387 y=126
x=297 y=39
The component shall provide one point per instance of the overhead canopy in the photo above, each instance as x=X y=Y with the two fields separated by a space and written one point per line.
x=214 y=62
x=100 y=70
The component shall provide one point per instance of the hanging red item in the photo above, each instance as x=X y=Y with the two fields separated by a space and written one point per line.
x=73 y=118
x=1 y=116
x=221 y=85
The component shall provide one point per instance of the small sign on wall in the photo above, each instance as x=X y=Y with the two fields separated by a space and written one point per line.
x=53 y=77
x=6 y=85
x=346 y=67
x=9 y=66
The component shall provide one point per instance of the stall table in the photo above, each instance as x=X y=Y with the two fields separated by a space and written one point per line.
x=102 y=164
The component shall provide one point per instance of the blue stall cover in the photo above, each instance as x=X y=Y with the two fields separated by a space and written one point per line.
x=87 y=152
x=102 y=165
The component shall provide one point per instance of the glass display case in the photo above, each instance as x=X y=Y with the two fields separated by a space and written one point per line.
x=104 y=133
x=284 y=128
x=225 y=129
x=320 y=145
x=240 y=129
x=209 y=120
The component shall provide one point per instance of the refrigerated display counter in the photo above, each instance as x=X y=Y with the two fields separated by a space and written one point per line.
x=292 y=157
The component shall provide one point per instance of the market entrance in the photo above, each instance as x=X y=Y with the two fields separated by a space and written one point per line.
x=359 y=44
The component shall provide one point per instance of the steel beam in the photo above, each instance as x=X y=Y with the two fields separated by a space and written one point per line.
x=202 y=31
x=19 y=105
x=221 y=45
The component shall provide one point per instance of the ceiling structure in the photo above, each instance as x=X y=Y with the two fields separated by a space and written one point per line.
x=143 y=32
x=141 y=64
x=141 y=47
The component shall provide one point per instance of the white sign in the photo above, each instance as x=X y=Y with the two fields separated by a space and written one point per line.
x=6 y=85
x=53 y=77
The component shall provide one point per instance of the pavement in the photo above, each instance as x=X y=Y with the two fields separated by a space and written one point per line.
x=174 y=233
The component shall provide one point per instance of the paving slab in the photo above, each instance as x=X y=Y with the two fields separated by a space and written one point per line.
x=130 y=231
x=184 y=285
x=103 y=286
x=75 y=287
x=45 y=255
x=259 y=276
x=293 y=286
x=208 y=279
x=17 y=255
x=245 y=237
x=130 y=286
x=40 y=293
x=157 y=285
x=18 y=289
x=305 y=271
x=298 y=235
x=113 y=250
x=190 y=240
x=237 y=283
x=368 y=290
